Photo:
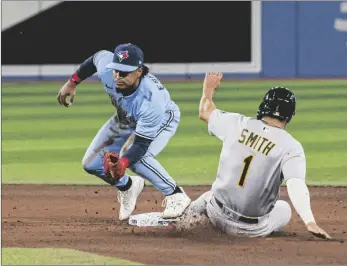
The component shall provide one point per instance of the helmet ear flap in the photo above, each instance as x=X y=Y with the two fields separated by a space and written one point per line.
x=260 y=113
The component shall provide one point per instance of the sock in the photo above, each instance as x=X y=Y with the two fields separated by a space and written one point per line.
x=127 y=185
x=177 y=190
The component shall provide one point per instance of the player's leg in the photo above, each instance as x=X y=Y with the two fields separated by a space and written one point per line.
x=110 y=139
x=199 y=205
x=225 y=223
x=273 y=222
x=148 y=167
x=153 y=171
x=105 y=140
x=195 y=215
x=216 y=216
x=279 y=217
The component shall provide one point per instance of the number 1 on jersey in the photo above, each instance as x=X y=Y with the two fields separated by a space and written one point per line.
x=247 y=162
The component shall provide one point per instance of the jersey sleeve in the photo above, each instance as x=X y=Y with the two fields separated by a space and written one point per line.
x=220 y=123
x=294 y=163
x=150 y=118
x=101 y=59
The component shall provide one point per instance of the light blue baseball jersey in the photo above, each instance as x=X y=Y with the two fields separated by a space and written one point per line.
x=143 y=111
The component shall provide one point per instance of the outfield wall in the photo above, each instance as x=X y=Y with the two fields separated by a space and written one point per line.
x=304 y=39
x=287 y=39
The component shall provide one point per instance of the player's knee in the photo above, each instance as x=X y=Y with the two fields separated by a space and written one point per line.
x=87 y=168
x=199 y=205
x=286 y=211
x=147 y=156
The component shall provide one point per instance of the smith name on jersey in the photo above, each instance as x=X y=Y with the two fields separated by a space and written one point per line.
x=256 y=142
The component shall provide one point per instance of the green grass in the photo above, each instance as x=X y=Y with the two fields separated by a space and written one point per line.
x=43 y=142
x=50 y=256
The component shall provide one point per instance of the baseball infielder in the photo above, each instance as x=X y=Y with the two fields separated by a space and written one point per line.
x=145 y=114
x=257 y=155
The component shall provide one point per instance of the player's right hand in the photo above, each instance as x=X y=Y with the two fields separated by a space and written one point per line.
x=68 y=90
x=211 y=82
x=314 y=229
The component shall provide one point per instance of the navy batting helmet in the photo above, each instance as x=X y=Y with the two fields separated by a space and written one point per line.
x=278 y=102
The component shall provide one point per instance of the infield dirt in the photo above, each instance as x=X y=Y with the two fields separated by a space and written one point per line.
x=86 y=218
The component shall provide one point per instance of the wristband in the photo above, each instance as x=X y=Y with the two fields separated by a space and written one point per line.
x=74 y=79
x=126 y=161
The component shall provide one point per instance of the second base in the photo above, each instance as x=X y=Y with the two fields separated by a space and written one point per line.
x=150 y=219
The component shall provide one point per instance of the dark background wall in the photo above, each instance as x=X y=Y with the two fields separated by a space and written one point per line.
x=168 y=32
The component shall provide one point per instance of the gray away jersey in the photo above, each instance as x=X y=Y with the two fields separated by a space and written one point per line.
x=254 y=161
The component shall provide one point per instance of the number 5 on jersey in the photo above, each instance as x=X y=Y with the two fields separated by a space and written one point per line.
x=247 y=162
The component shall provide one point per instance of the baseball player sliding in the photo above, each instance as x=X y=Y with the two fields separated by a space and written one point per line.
x=257 y=155
x=146 y=117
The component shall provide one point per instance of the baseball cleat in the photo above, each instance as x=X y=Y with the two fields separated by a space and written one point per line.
x=175 y=205
x=127 y=199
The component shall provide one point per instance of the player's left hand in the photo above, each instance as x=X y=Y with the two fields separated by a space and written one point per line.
x=110 y=160
x=314 y=229
x=114 y=166
x=211 y=82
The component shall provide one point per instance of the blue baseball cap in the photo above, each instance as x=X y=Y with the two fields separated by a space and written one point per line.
x=127 y=58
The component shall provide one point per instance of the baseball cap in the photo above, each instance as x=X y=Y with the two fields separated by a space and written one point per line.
x=127 y=58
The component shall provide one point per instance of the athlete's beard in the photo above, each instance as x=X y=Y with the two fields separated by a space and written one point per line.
x=129 y=90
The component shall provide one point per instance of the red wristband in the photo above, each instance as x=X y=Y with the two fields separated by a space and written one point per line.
x=126 y=161
x=75 y=79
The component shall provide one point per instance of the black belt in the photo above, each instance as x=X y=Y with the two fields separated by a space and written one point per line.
x=241 y=218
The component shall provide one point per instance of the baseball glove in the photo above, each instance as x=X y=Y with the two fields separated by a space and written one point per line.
x=110 y=162
x=114 y=166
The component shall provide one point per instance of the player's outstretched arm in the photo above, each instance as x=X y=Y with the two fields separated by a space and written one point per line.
x=211 y=83
x=300 y=197
x=68 y=90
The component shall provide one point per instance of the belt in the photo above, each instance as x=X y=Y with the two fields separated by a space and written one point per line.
x=247 y=220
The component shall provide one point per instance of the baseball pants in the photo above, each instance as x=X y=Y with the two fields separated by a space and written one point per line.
x=111 y=137
x=271 y=222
